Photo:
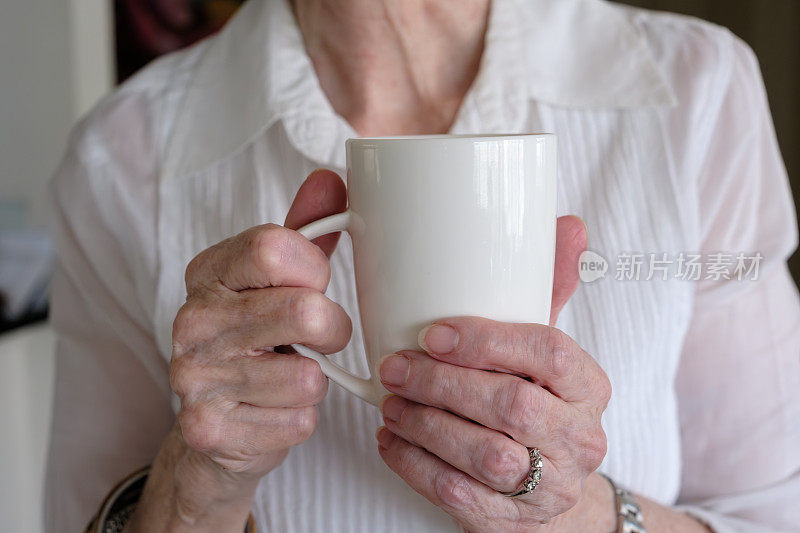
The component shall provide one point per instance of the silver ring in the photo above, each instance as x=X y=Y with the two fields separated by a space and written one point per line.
x=534 y=475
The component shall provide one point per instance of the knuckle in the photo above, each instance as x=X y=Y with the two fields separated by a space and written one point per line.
x=308 y=315
x=522 y=411
x=483 y=346
x=421 y=422
x=595 y=449
x=435 y=382
x=603 y=388
x=559 y=351
x=438 y=373
x=195 y=268
x=270 y=247
x=193 y=323
x=502 y=463
x=181 y=377
x=184 y=326
x=494 y=340
x=304 y=424
x=407 y=460
x=202 y=428
x=312 y=385
x=453 y=489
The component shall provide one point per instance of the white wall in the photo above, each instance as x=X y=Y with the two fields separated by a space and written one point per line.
x=26 y=395
x=55 y=62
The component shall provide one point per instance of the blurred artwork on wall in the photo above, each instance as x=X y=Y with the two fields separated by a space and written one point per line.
x=146 y=29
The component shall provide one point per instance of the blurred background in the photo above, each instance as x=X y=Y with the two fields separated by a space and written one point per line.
x=57 y=59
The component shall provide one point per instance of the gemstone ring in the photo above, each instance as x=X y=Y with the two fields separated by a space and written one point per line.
x=534 y=475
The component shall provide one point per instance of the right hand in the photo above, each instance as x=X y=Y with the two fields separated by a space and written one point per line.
x=243 y=404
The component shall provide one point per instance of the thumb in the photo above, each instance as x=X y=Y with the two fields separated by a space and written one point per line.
x=323 y=193
x=570 y=243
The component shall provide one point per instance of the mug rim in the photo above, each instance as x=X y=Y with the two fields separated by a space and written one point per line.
x=449 y=137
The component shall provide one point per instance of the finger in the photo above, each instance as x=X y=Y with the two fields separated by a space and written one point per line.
x=251 y=322
x=485 y=454
x=237 y=433
x=278 y=380
x=509 y=404
x=323 y=193
x=266 y=380
x=262 y=256
x=570 y=243
x=474 y=505
x=543 y=353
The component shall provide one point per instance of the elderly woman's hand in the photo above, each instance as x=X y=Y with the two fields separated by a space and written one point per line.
x=244 y=401
x=242 y=404
x=463 y=415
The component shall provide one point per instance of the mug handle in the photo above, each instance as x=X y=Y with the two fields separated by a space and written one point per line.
x=363 y=388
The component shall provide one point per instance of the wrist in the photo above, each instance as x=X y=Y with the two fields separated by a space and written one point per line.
x=595 y=510
x=187 y=491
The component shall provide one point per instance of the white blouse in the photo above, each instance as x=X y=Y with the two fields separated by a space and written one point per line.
x=666 y=146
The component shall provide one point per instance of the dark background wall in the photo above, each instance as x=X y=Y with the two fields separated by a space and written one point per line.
x=772 y=29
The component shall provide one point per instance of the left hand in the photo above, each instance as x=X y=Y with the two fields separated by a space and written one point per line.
x=462 y=417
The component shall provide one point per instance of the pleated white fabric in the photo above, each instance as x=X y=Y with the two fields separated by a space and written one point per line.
x=665 y=146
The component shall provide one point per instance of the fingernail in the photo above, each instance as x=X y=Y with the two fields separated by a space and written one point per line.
x=394 y=369
x=383 y=399
x=393 y=407
x=384 y=436
x=438 y=339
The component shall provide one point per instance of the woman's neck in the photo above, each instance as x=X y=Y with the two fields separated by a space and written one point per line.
x=394 y=67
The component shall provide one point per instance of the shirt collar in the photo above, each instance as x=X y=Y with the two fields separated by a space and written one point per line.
x=569 y=53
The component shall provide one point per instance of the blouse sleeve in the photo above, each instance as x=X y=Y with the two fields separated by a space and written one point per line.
x=738 y=384
x=112 y=403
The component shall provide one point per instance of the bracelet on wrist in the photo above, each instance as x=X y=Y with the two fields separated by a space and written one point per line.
x=118 y=507
x=119 y=504
x=629 y=515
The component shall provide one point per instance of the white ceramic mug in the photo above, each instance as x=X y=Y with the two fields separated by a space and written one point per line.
x=444 y=225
